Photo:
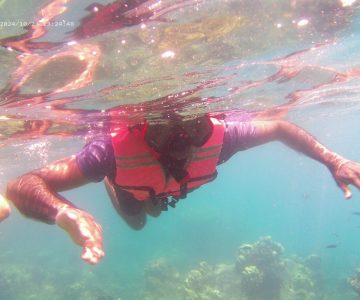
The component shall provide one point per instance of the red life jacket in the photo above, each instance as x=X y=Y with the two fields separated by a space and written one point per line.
x=139 y=172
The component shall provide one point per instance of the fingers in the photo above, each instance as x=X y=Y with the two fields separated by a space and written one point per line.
x=348 y=174
x=347 y=193
x=91 y=240
x=357 y=182
x=92 y=243
x=4 y=208
x=92 y=254
x=345 y=188
x=84 y=231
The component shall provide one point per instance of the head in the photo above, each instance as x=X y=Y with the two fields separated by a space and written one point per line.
x=177 y=136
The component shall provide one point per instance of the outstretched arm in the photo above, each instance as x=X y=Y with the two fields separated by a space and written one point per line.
x=35 y=194
x=344 y=171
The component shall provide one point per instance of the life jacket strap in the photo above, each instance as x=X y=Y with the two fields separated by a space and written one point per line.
x=148 y=189
x=209 y=176
x=166 y=200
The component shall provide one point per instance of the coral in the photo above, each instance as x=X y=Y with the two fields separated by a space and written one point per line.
x=160 y=279
x=260 y=268
x=160 y=269
x=259 y=273
x=15 y=278
x=354 y=281
x=207 y=282
x=302 y=280
x=32 y=282
x=262 y=253
x=252 y=279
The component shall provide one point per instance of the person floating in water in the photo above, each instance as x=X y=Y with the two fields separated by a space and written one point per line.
x=148 y=167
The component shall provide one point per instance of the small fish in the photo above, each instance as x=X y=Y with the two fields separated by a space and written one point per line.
x=305 y=195
x=356 y=213
x=331 y=246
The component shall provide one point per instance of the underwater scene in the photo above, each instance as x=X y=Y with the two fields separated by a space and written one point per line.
x=273 y=225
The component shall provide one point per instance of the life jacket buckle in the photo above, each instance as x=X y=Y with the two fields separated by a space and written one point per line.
x=165 y=203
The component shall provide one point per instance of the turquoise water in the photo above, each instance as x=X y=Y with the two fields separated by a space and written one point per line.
x=240 y=55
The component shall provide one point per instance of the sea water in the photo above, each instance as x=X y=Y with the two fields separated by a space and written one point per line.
x=186 y=56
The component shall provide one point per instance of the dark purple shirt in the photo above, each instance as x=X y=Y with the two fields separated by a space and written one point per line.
x=96 y=160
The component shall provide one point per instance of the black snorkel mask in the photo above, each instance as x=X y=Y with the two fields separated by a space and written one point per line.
x=176 y=137
x=177 y=134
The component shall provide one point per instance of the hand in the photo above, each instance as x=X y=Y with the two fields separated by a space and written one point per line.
x=4 y=208
x=84 y=231
x=347 y=172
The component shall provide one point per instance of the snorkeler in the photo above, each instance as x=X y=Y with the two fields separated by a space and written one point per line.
x=148 y=167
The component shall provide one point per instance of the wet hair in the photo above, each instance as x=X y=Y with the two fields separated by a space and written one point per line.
x=177 y=136
x=179 y=132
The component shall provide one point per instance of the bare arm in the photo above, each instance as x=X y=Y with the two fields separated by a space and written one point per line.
x=344 y=171
x=35 y=194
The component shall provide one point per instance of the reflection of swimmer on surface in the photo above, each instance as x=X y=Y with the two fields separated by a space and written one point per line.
x=39 y=126
x=320 y=15
x=150 y=166
x=100 y=19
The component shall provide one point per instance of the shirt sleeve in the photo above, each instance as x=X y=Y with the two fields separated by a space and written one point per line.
x=237 y=134
x=96 y=160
